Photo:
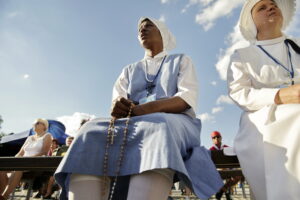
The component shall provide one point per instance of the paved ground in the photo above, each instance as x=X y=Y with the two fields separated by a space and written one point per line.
x=238 y=195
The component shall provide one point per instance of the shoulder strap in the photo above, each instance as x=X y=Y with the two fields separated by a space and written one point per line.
x=293 y=45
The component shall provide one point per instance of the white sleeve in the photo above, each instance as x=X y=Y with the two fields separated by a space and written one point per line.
x=187 y=82
x=120 y=87
x=242 y=91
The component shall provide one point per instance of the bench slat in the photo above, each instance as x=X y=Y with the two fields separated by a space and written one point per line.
x=43 y=163
x=50 y=163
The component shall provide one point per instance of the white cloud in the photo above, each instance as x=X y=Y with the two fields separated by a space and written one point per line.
x=205 y=2
x=13 y=14
x=224 y=99
x=235 y=41
x=214 y=83
x=293 y=28
x=218 y=9
x=191 y=3
x=162 y=18
x=216 y=110
x=164 y=1
x=205 y=117
x=26 y=76
x=72 y=123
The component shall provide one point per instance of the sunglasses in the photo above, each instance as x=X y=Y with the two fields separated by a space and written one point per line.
x=216 y=137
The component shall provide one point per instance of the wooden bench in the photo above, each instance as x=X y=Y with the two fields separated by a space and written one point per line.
x=33 y=166
x=228 y=166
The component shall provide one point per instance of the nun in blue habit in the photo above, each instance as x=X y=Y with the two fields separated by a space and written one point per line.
x=153 y=134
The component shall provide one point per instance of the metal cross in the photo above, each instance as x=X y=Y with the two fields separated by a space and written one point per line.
x=112 y=137
x=149 y=88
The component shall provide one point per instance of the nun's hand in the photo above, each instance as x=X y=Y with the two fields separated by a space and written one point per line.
x=289 y=95
x=121 y=108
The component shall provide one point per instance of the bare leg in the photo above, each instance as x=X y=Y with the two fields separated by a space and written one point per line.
x=49 y=186
x=3 y=181
x=14 y=180
x=150 y=185
x=88 y=187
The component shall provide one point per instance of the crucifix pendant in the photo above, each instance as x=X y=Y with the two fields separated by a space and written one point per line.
x=112 y=138
x=111 y=132
x=149 y=88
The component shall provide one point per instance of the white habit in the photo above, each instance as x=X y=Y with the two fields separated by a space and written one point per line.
x=268 y=141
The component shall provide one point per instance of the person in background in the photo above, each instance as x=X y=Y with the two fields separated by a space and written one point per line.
x=83 y=121
x=52 y=152
x=64 y=148
x=217 y=141
x=54 y=147
x=35 y=145
x=217 y=145
x=60 y=152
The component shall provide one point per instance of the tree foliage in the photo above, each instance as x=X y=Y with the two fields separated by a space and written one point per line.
x=1 y=133
x=1 y=121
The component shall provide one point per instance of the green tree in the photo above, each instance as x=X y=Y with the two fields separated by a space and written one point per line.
x=1 y=133
x=1 y=121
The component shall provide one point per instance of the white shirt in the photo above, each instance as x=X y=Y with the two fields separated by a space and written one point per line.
x=34 y=146
x=254 y=78
x=187 y=81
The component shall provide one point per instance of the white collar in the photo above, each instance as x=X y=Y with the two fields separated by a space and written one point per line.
x=270 y=42
x=160 y=55
x=221 y=147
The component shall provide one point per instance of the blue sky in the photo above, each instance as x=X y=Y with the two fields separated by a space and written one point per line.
x=59 y=59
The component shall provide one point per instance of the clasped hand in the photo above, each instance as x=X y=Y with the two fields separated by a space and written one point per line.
x=121 y=108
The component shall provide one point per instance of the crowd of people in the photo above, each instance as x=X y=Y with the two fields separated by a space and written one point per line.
x=41 y=143
x=153 y=135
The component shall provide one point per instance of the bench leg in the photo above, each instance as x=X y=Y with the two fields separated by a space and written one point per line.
x=243 y=190
x=29 y=191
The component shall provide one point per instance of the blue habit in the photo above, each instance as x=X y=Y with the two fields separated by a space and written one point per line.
x=155 y=141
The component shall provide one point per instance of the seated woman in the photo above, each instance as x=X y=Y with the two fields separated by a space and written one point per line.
x=53 y=147
x=264 y=80
x=35 y=145
x=153 y=134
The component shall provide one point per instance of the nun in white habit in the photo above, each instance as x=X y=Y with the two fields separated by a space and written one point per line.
x=162 y=136
x=264 y=81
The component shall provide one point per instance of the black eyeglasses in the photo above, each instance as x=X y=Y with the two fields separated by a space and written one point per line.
x=216 y=137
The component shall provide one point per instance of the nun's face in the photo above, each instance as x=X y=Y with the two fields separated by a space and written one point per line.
x=266 y=13
x=149 y=35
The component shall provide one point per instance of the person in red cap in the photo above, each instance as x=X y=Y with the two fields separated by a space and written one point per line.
x=217 y=145
x=217 y=141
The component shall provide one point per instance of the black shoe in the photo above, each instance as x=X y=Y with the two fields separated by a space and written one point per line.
x=219 y=195
x=228 y=196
